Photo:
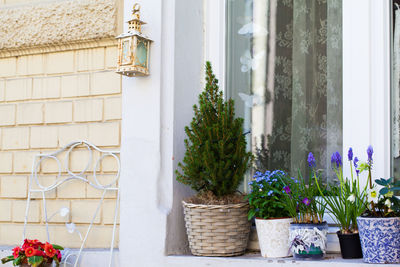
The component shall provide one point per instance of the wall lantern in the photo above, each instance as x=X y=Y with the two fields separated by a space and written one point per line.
x=134 y=48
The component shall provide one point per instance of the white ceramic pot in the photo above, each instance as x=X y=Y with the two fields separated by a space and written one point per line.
x=273 y=237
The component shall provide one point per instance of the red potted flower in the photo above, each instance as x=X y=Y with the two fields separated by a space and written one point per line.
x=35 y=253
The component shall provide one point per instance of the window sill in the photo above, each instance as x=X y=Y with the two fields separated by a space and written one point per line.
x=255 y=260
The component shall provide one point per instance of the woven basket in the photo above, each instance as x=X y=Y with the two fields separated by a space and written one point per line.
x=217 y=230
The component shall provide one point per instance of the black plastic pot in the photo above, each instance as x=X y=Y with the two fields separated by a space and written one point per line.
x=350 y=245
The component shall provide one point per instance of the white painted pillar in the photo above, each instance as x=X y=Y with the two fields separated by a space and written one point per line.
x=142 y=229
x=155 y=110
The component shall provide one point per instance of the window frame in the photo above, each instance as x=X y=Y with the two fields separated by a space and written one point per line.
x=366 y=64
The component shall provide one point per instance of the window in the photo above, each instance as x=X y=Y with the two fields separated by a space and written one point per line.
x=395 y=94
x=284 y=71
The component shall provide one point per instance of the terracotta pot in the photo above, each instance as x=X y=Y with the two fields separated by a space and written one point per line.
x=273 y=237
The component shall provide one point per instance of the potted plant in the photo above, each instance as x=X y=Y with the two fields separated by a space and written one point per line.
x=379 y=225
x=307 y=233
x=272 y=219
x=36 y=254
x=214 y=165
x=345 y=202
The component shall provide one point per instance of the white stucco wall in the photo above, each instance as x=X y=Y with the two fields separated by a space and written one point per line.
x=156 y=109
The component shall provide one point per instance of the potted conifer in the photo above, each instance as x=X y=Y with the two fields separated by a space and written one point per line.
x=214 y=165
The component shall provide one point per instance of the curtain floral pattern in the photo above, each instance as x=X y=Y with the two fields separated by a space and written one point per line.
x=396 y=89
x=285 y=73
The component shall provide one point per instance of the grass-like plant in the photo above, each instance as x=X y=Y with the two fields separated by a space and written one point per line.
x=345 y=200
x=300 y=198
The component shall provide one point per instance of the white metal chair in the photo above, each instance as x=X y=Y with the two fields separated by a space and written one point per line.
x=81 y=176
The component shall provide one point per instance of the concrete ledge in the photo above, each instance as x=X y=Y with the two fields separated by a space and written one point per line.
x=255 y=260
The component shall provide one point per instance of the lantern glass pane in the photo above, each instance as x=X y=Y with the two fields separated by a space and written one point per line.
x=141 y=53
x=126 y=59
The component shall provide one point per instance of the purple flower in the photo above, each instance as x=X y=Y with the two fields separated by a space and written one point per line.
x=355 y=162
x=333 y=158
x=306 y=201
x=287 y=189
x=337 y=159
x=370 y=151
x=350 y=154
x=311 y=160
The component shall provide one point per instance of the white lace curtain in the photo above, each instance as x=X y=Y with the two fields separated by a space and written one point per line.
x=396 y=82
x=285 y=73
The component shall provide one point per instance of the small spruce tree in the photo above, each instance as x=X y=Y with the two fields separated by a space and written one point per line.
x=216 y=158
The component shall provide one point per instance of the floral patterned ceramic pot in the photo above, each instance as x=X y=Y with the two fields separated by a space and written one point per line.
x=307 y=240
x=380 y=239
x=273 y=236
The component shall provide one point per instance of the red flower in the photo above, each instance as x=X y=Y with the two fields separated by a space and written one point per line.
x=58 y=254
x=31 y=243
x=26 y=244
x=30 y=251
x=50 y=251
x=16 y=251
x=40 y=253
x=36 y=244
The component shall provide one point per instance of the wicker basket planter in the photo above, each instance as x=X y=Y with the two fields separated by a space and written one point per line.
x=217 y=230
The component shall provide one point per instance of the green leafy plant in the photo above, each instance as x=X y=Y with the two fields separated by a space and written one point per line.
x=216 y=159
x=382 y=203
x=300 y=198
x=345 y=200
x=265 y=195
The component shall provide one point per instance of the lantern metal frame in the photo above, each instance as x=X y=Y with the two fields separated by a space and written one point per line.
x=128 y=43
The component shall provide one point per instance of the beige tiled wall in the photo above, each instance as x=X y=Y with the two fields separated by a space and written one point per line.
x=46 y=101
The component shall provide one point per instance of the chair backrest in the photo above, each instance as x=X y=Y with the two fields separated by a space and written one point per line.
x=65 y=174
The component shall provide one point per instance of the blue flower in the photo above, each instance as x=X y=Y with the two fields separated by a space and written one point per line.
x=370 y=151
x=350 y=154
x=270 y=192
x=337 y=159
x=356 y=162
x=257 y=174
x=311 y=160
